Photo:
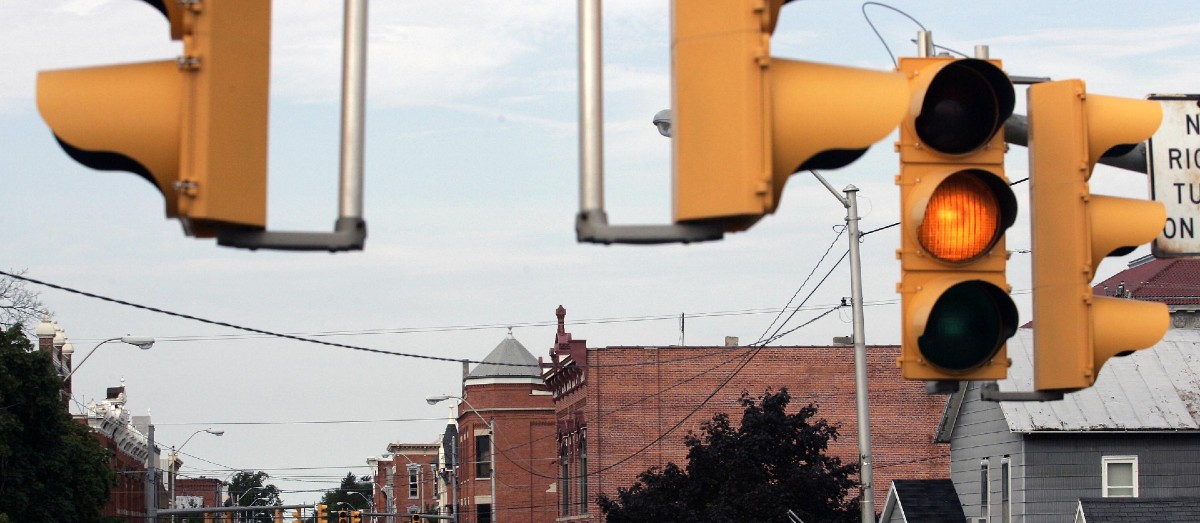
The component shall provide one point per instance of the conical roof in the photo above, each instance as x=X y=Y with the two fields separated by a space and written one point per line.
x=509 y=359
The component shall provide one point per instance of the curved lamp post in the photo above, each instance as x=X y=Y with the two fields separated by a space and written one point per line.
x=370 y=502
x=433 y=400
x=141 y=342
x=174 y=458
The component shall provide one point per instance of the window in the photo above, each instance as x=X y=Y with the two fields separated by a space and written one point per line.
x=1005 y=490
x=565 y=482
x=485 y=512
x=583 y=496
x=1120 y=475
x=414 y=483
x=483 y=457
x=985 y=488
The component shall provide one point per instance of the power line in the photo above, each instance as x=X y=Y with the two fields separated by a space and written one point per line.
x=267 y=333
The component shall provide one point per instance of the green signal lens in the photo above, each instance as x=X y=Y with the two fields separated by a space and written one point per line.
x=967 y=326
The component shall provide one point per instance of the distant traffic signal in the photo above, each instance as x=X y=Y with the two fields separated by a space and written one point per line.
x=195 y=127
x=956 y=205
x=1073 y=230
x=744 y=121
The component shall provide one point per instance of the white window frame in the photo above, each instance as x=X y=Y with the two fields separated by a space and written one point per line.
x=1105 y=461
x=1006 y=488
x=985 y=489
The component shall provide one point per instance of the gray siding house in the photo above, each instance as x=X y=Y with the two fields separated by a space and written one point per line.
x=1135 y=434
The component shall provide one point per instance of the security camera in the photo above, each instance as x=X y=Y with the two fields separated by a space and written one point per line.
x=662 y=120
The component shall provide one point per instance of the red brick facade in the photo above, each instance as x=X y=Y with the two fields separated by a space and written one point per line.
x=410 y=473
x=127 y=497
x=524 y=420
x=611 y=415
x=211 y=491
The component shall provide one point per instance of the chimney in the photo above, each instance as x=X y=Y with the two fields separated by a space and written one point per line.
x=731 y=341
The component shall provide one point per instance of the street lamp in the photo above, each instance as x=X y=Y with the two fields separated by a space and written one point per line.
x=434 y=400
x=142 y=342
x=174 y=458
x=370 y=502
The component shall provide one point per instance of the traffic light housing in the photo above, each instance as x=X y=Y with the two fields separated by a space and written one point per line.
x=343 y=516
x=355 y=516
x=1074 y=331
x=416 y=518
x=956 y=205
x=322 y=513
x=195 y=127
x=744 y=121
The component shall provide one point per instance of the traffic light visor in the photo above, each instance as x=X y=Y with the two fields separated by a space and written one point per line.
x=964 y=105
x=968 y=324
x=966 y=215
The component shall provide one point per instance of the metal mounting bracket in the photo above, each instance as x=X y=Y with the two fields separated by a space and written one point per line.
x=990 y=391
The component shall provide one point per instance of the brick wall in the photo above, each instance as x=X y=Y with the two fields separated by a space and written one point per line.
x=524 y=452
x=207 y=488
x=626 y=407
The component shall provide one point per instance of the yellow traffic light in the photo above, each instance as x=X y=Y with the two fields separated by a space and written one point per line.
x=1075 y=332
x=956 y=205
x=744 y=121
x=343 y=516
x=416 y=518
x=355 y=516
x=195 y=127
x=322 y=513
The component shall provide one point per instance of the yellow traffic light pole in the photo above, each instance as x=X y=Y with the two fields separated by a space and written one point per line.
x=196 y=127
x=591 y=224
x=744 y=121
x=350 y=229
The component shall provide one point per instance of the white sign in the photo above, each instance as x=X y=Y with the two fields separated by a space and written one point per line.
x=1173 y=161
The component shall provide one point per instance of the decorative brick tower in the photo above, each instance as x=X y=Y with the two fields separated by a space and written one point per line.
x=507 y=387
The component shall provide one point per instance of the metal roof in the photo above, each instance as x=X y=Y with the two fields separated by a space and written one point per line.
x=1157 y=389
x=509 y=359
x=1129 y=510
x=1173 y=281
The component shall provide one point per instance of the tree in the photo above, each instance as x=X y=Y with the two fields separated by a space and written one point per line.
x=248 y=489
x=773 y=462
x=18 y=305
x=342 y=494
x=51 y=467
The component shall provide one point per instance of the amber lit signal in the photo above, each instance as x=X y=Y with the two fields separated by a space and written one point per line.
x=962 y=220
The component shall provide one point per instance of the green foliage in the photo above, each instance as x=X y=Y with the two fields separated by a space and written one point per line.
x=342 y=494
x=51 y=467
x=773 y=462
x=248 y=488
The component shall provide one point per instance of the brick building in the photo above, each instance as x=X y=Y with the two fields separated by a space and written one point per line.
x=507 y=387
x=200 y=492
x=120 y=433
x=622 y=410
x=112 y=426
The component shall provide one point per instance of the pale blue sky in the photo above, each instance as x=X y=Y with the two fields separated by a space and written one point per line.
x=471 y=190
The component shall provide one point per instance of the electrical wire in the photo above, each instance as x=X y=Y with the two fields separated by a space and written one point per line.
x=876 y=31
x=802 y=284
x=267 y=333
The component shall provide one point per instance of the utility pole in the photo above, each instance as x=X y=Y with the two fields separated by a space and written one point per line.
x=151 y=491
x=866 y=474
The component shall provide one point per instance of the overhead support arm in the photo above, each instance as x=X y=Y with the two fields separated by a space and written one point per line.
x=591 y=224
x=350 y=230
x=1016 y=132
